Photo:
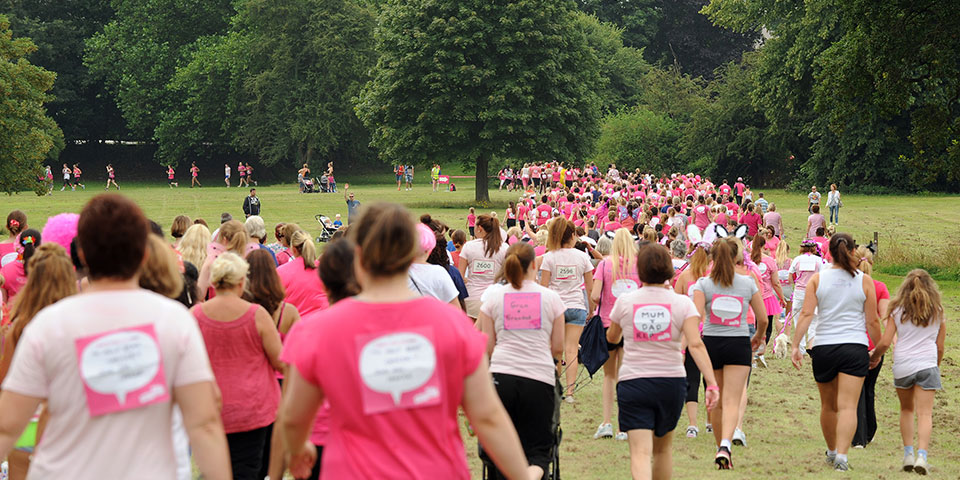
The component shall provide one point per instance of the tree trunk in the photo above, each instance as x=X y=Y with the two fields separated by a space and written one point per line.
x=483 y=196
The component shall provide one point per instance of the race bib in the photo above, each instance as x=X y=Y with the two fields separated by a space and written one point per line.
x=521 y=311
x=726 y=310
x=651 y=323
x=566 y=272
x=622 y=287
x=482 y=267
x=121 y=370
x=398 y=371
x=806 y=265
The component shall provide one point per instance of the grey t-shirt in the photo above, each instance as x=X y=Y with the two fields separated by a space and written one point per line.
x=353 y=209
x=726 y=307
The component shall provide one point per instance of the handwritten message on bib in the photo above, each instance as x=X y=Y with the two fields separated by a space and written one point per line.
x=121 y=370
x=651 y=322
x=726 y=310
x=521 y=311
x=398 y=370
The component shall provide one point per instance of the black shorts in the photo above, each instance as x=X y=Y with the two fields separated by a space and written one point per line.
x=728 y=351
x=612 y=346
x=651 y=404
x=830 y=360
x=511 y=222
x=530 y=404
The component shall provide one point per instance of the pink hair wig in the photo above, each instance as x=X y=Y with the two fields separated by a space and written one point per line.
x=61 y=229
x=428 y=239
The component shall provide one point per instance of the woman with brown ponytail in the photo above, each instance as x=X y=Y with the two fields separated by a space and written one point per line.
x=480 y=260
x=13 y=276
x=846 y=307
x=524 y=326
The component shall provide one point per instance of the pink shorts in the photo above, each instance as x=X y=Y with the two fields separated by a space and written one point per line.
x=772 y=305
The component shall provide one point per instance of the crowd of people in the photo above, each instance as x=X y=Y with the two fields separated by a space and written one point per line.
x=126 y=356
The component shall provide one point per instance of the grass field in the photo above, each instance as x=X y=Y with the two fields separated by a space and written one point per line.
x=782 y=423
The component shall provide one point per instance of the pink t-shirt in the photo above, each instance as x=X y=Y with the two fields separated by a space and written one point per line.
x=284 y=256
x=567 y=267
x=652 y=322
x=544 y=212
x=626 y=282
x=768 y=272
x=700 y=216
x=14 y=279
x=752 y=221
x=471 y=220
x=135 y=440
x=774 y=219
x=481 y=269
x=523 y=321
x=246 y=379
x=816 y=221
x=303 y=286
x=803 y=268
x=380 y=428
x=6 y=248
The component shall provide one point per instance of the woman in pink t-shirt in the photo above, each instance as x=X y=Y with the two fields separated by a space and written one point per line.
x=815 y=221
x=244 y=349
x=770 y=291
x=524 y=326
x=394 y=375
x=480 y=261
x=752 y=219
x=567 y=271
x=652 y=384
x=616 y=275
x=16 y=223
x=299 y=276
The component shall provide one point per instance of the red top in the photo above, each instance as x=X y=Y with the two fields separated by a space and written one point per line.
x=247 y=381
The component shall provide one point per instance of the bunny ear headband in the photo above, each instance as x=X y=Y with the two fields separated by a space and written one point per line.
x=741 y=231
x=693 y=233
x=704 y=245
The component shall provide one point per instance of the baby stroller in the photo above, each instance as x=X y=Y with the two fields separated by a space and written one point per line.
x=553 y=469
x=327 y=229
x=309 y=186
x=324 y=184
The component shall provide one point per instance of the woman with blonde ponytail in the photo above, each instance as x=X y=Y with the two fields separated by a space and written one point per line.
x=299 y=276
x=524 y=326
x=615 y=276
x=917 y=319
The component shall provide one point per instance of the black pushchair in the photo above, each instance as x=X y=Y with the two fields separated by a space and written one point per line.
x=553 y=469
x=327 y=229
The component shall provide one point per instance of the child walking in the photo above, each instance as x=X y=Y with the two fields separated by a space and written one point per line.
x=472 y=222
x=917 y=318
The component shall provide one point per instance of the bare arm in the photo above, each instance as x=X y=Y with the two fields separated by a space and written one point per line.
x=588 y=282
x=486 y=326
x=881 y=346
x=201 y=419
x=300 y=405
x=556 y=337
x=596 y=291
x=17 y=410
x=941 y=337
x=462 y=266
x=806 y=316
x=492 y=424
x=870 y=308
x=614 y=333
x=545 y=278
x=270 y=338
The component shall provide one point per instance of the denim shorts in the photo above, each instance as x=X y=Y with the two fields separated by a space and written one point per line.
x=926 y=379
x=575 y=316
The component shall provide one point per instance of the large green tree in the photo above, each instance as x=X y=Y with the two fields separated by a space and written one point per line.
x=468 y=80
x=621 y=68
x=27 y=134
x=279 y=84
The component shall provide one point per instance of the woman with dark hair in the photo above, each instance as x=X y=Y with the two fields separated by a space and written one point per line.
x=16 y=223
x=179 y=227
x=845 y=300
x=113 y=436
x=441 y=257
x=480 y=260
x=378 y=428
x=14 y=274
x=723 y=299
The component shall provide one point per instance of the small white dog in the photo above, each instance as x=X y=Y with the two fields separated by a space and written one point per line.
x=781 y=346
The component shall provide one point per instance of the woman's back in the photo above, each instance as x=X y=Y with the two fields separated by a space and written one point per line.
x=916 y=346
x=246 y=379
x=840 y=310
x=394 y=377
x=303 y=286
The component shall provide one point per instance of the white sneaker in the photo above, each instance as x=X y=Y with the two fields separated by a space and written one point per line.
x=762 y=361
x=692 y=431
x=921 y=466
x=739 y=438
x=605 y=430
x=621 y=436
x=908 y=462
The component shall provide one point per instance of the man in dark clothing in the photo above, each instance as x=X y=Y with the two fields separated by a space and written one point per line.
x=251 y=204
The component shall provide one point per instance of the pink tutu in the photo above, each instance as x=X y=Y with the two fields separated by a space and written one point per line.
x=772 y=305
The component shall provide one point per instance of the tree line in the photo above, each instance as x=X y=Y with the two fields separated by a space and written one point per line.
x=861 y=93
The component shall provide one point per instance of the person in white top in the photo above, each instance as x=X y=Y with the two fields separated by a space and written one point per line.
x=524 y=326
x=567 y=271
x=918 y=321
x=480 y=260
x=104 y=424
x=801 y=270
x=846 y=301
x=427 y=279
x=651 y=321
x=833 y=203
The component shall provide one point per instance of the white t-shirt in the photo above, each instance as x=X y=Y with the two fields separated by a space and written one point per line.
x=652 y=322
x=432 y=281
x=523 y=321
x=840 y=299
x=566 y=267
x=481 y=269
x=128 y=438
x=916 y=346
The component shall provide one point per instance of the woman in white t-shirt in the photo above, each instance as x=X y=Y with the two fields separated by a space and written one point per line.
x=918 y=321
x=652 y=382
x=110 y=427
x=427 y=279
x=567 y=271
x=480 y=260
x=801 y=270
x=616 y=275
x=846 y=301
x=524 y=326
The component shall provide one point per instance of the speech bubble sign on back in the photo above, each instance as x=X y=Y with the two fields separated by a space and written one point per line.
x=397 y=363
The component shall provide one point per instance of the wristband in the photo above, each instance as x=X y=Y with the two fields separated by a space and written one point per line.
x=712 y=387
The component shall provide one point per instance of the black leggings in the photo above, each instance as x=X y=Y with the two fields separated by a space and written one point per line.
x=246 y=452
x=769 y=328
x=693 y=378
x=866 y=411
